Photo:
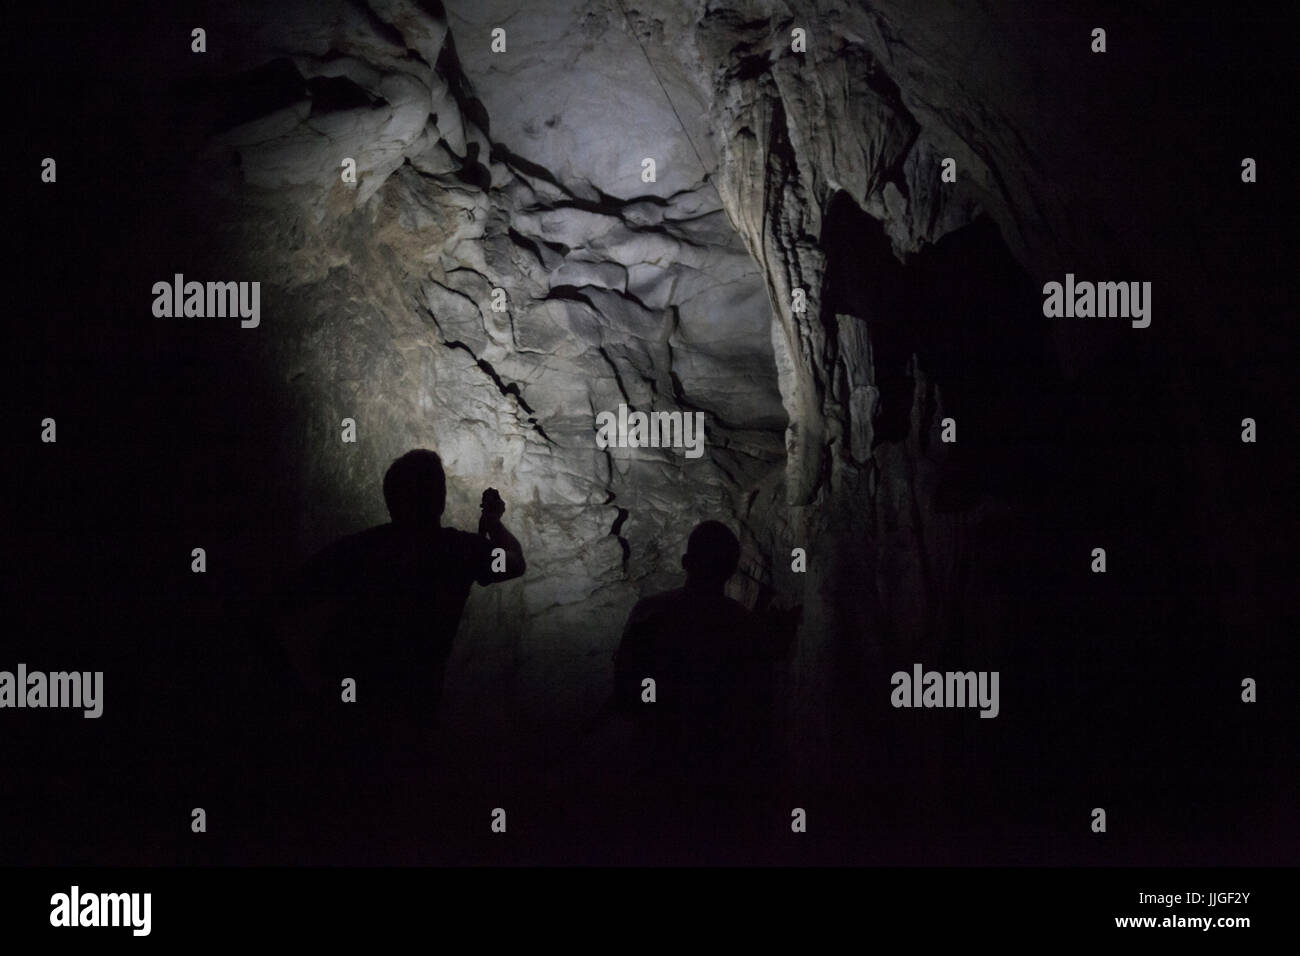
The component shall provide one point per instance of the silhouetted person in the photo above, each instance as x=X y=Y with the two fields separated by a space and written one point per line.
x=384 y=605
x=398 y=589
x=708 y=729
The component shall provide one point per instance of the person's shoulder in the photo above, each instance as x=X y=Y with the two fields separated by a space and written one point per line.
x=376 y=535
x=665 y=600
x=352 y=545
x=654 y=606
x=455 y=539
x=730 y=617
x=473 y=552
x=736 y=609
x=338 y=561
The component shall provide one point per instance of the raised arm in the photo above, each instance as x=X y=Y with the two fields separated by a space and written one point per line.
x=490 y=527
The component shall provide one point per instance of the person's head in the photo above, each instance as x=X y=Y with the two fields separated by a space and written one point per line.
x=415 y=488
x=712 y=555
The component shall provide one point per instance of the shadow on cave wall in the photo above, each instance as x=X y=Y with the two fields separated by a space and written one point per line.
x=959 y=307
x=1109 y=683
